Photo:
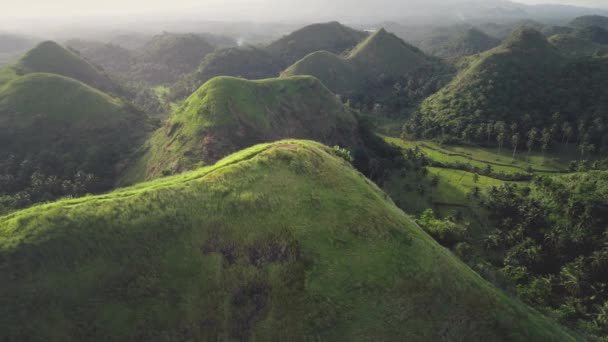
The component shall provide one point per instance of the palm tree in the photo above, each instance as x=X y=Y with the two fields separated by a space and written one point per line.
x=515 y=143
x=532 y=136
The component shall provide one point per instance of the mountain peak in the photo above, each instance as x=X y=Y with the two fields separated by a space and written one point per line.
x=50 y=57
x=526 y=37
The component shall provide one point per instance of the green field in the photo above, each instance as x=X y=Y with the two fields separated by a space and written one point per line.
x=481 y=157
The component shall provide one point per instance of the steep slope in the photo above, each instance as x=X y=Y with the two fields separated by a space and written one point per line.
x=56 y=126
x=228 y=114
x=268 y=61
x=333 y=37
x=278 y=242
x=375 y=70
x=50 y=57
x=469 y=42
x=525 y=80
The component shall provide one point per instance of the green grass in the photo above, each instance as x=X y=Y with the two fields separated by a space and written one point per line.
x=7 y=74
x=502 y=162
x=279 y=241
x=228 y=114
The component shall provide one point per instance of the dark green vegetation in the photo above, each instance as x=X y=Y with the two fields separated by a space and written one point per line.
x=382 y=70
x=589 y=21
x=450 y=44
x=50 y=57
x=60 y=137
x=168 y=56
x=228 y=114
x=163 y=59
x=269 y=61
x=549 y=241
x=281 y=241
x=523 y=91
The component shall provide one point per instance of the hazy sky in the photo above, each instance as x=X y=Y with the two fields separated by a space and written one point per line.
x=214 y=8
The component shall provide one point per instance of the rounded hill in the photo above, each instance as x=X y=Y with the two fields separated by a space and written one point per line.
x=228 y=114
x=60 y=126
x=283 y=241
x=50 y=57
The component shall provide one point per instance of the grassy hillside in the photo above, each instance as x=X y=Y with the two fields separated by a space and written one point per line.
x=280 y=241
x=50 y=57
x=268 y=61
x=228 y=114
x=382 y=70
x=525 y=81
x=52 y=126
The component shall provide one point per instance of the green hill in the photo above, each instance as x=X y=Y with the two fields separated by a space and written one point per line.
x=50 y=57
x=524 y=81
x=468 y=42
x=167 y=56
x=590 y=20
x=283 y=241
x=112 y=58
x=382 y=69
x=268 y=61
x=573 y=46
x=228 y=114
x=333 y=37
x=54 y=127
x=382 y=55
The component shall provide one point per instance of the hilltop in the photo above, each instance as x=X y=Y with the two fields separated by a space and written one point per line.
x=228 y=114
x=50 y=57
x=52 y=128
x=268 y=61
x=382 y=68
x=455 y=45
x=279 y=241
x=332 y=36
x=525 y=80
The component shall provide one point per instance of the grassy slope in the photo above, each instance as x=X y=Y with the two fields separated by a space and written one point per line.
x=520 y=67
x=380 y=54
x=44 y=112
x=280 y=241
x=50 y=57
x=228 y=114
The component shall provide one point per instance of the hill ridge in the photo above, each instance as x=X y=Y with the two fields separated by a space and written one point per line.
x=281 y=239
